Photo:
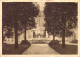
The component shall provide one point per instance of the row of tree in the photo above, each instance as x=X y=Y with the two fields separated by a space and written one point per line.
x=17 y=15
x=60 y=18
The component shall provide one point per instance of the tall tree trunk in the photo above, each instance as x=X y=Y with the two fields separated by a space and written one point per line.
x=53 y=38
x=53 y=34
x=63 y=38
x=63 y=32
x=2 y=34
x=16 y=33
x=25 y=32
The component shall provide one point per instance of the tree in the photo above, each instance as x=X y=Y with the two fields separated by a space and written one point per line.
x=10 y=18
x=61 y=14
x=28 y=12
x=51 y=18
x=18 y=13
x=7 y=18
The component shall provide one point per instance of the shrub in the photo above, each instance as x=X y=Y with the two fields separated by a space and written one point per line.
x=25 y=42
x=68 y=33
x=74 y=41
x=51 y=42
x=55 y=42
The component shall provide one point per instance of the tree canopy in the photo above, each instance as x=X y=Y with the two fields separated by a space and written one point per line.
x=21 y=11
x=19 y=14
x=55 y=13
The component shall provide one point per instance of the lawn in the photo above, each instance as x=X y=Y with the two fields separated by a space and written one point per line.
x=69 y=49
x=10 y=49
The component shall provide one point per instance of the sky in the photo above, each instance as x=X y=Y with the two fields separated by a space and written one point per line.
x=41 y=5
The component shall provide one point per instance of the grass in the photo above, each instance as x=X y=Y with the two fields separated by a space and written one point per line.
x=10 y=49
x=69 y=49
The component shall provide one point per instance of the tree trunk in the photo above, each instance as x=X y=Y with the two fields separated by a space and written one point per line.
x=63 y=32
x=53 y=34
x=53 y=38
x=2 y=34
x=63 y=38
x=25 y=32
x=16 y=34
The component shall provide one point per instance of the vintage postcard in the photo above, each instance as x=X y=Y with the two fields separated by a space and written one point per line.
x=39 y=28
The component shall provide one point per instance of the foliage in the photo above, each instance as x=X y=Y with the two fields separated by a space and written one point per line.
x=74 y=41
x=23 y=12
x=56 y=13
x=18 y=14
x=55 y=42
x=9 y=33
x=25 y=42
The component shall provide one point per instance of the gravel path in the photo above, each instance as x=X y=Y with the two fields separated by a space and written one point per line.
x=35 y=49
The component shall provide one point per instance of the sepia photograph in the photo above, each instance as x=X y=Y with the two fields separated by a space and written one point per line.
x=40 y=28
